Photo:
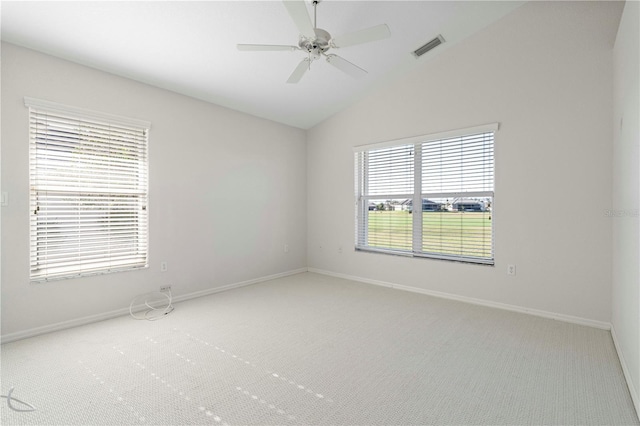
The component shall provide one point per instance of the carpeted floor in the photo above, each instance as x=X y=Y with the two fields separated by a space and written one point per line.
x=311 y=349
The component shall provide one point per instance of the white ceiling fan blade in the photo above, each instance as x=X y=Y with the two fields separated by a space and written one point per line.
x=297 y=74
x=346 y=66
x=298 y=12
x=367 y=35
x=265 y=47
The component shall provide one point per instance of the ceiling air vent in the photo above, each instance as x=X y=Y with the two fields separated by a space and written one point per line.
x=428 y=46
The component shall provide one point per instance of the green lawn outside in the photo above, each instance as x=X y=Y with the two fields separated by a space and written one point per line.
x=456 y=233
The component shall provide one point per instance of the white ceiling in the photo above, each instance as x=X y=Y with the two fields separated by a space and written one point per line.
x=190 y=47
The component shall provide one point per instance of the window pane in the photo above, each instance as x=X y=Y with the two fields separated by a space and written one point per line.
x=390 y=171
x=389 y=224
x=457 y=227
x=461 y=164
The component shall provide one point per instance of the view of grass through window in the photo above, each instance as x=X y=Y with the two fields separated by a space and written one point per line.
x=455 y=233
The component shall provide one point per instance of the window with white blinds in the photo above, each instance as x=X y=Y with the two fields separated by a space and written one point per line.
x=88 y=192
x=429 y=196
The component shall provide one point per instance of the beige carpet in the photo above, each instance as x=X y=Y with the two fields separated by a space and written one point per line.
x=310 y=349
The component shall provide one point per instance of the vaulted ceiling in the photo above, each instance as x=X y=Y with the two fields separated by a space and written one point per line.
x=190 y=47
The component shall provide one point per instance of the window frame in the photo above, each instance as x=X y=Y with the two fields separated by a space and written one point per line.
x=417 y=197
x=117 y=210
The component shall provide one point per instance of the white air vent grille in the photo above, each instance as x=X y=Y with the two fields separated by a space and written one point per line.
x=428 y=46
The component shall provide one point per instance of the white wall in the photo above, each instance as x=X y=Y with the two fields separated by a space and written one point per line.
x=626 y=196
x=545 y=73
x=227 y=191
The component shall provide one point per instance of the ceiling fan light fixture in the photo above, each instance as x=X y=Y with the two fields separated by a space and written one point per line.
x=320 y=43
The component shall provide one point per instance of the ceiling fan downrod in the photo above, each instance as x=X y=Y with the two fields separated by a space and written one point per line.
x=315 y=11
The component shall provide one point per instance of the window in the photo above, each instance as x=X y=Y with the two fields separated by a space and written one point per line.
x=88 y=192
x=448 y=176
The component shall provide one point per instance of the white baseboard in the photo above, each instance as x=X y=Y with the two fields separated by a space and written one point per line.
x=625 y=370
x=236 y=285
x=474 y=301
x=24 y=334
x=125 y=311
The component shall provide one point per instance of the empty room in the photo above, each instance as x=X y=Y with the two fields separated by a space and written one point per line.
x=320 y=212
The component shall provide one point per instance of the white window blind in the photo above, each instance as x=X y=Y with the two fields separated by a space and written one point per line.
x=449 y=177
x=88 y=192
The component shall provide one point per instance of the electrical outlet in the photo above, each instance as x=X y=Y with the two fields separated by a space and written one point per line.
x=286 y=248
x=340 y=249
x=163 y=267
x=511 y=269
x=165 y=289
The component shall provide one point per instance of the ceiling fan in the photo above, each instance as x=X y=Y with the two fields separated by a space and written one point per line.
x=316 y=42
